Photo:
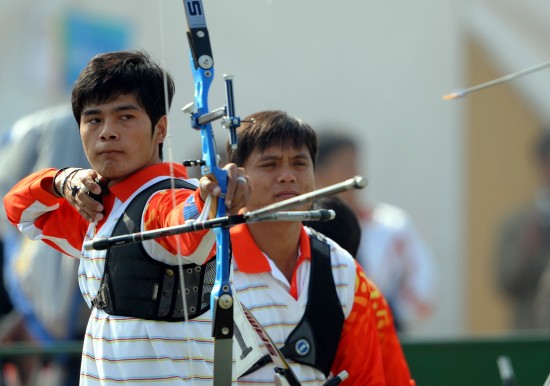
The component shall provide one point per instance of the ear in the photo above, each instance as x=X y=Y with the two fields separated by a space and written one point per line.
x=161 y=129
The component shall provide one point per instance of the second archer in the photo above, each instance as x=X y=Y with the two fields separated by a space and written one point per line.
x=308 y=292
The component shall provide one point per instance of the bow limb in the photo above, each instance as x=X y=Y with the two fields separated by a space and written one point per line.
x=221 y=300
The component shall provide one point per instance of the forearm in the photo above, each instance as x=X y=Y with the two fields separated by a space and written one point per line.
x=31 y=197
x=195 y=247
x=33 y=207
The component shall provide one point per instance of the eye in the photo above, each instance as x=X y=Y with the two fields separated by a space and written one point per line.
x=267 y=164
x=93 y=120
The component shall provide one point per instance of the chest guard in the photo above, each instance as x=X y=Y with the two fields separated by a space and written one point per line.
x=136 y=285
x=314 y=341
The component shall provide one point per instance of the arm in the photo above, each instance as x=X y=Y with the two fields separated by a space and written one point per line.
x=160 y=212
x=41 y=215
x=196 y=247
x=359 y=349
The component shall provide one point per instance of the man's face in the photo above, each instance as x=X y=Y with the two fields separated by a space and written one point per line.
x=278 y=173
x=118 y=139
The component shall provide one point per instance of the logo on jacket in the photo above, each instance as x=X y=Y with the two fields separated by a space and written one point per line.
x=302 y=347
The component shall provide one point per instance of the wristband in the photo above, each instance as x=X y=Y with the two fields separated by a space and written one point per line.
x=64 y=184
x=57 y=192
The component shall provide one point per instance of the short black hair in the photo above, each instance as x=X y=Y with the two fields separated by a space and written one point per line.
x=268 y=128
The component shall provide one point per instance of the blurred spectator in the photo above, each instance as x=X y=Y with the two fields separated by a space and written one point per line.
x=391 y=251
x=542 y=300
x=346 y=231
x=5 y=303
x=523 y=245
x=47 y=306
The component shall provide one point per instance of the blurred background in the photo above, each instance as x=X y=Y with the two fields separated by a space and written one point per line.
x=376 y=70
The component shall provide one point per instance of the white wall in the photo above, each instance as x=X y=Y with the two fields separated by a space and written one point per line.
x=376 y=67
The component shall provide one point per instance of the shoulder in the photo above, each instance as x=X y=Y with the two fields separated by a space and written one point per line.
x=166 y=188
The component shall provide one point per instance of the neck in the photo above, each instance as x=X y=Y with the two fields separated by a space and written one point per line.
x=280 y=241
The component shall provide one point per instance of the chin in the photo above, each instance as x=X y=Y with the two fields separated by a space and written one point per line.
x=112 y=174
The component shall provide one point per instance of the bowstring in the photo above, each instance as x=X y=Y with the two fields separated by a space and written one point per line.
x=169 y=141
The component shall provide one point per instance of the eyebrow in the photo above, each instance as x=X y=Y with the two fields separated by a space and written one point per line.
x=267 y=157
x=95 y=110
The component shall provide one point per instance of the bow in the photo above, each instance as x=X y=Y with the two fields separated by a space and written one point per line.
x=202 y=67
x=221 y=299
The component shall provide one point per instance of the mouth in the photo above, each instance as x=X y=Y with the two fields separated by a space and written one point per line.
x=109 y=152
x=286 y=195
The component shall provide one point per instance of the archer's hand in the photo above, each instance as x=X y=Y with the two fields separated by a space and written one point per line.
x=75 y=185
x=237 y=188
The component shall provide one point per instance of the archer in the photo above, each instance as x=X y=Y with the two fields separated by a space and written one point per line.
x=136 y=328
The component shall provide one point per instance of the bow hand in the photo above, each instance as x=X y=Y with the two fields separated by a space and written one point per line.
x=237 y=188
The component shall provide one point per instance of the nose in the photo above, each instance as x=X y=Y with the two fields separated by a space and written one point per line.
x=108 y=131
x=287 y=174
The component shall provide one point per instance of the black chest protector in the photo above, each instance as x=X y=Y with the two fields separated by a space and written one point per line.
x=315 y=339
x=136 y=285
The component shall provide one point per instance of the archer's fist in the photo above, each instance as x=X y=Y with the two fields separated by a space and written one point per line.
x=75 y=185
x=237 y=188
